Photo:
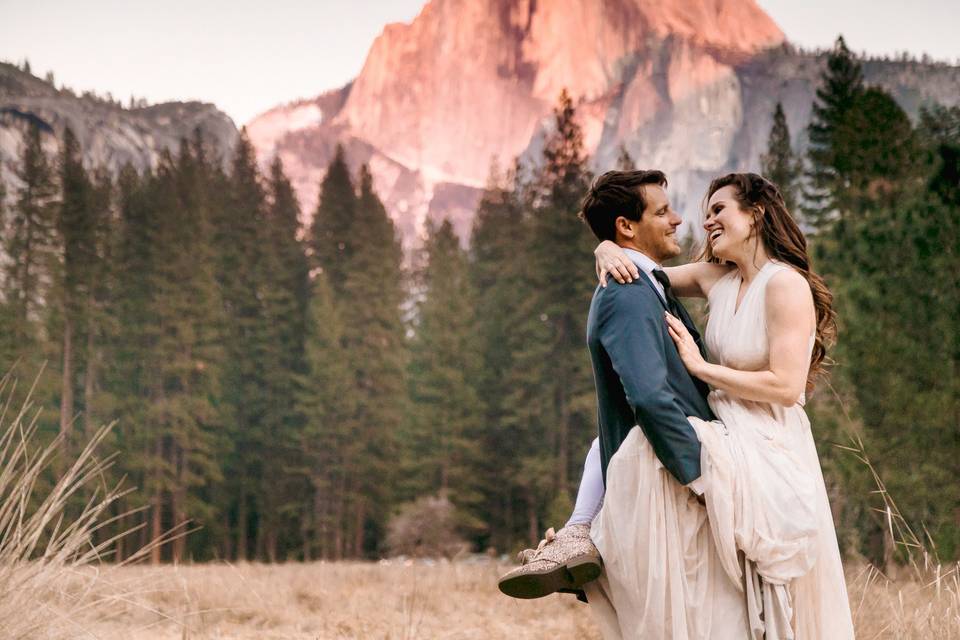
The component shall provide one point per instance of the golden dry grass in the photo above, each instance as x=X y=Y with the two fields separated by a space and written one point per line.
x=403 y=601
x=396 y=601
x=51 y=585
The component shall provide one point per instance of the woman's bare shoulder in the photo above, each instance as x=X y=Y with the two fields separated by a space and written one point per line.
x=788 y=295
x=788 y=282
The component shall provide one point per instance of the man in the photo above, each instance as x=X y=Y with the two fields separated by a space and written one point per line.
x=640 y=379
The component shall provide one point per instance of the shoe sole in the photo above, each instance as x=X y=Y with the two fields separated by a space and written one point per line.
x=573 y=575
x=584 y=569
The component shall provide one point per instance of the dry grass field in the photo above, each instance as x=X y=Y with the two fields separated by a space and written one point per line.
x=396 y=601
x=53 y=587
x=403 y=601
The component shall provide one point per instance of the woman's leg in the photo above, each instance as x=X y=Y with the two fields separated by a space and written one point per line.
x=590 y=493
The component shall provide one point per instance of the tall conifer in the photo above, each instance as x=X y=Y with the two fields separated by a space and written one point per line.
x=330 y=239
x=779 y=163
x=841 y=84
x=241 y=247
x=374 y=343
x=446 y=416
x=31 y=244
x=327 y=401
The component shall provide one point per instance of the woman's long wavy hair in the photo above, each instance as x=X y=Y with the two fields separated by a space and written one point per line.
x=783 y=241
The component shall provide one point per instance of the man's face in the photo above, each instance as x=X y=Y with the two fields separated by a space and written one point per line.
x=656 y=232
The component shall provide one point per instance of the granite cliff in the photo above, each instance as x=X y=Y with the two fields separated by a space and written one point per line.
x=109 y=134
x=686 y=86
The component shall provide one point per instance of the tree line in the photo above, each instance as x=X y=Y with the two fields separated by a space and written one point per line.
x=284 y=390
x=879 y=196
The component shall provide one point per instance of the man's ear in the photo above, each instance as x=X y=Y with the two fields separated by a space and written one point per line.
x=624 y=227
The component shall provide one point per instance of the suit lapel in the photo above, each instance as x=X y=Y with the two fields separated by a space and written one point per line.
x=685 y=318
x=663 y=303
x=680 y=312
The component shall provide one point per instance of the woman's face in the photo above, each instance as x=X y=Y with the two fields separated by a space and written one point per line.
x=728 y=226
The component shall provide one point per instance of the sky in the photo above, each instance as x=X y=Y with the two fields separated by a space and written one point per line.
x=249 y=56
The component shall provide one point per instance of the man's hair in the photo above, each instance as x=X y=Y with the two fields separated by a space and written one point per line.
x=615 y=194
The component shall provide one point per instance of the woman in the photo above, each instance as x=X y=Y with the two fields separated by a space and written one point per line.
x=770 y=320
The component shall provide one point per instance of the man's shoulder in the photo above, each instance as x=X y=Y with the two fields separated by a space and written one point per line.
x=635 y=295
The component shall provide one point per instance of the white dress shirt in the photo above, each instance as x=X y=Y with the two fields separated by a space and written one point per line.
x=646 y=264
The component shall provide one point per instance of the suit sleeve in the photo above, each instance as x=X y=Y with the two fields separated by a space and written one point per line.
x=632 y=333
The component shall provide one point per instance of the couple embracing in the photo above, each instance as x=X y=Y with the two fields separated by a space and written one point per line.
x=702 y=511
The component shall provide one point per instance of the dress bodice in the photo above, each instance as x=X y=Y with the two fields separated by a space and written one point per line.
x=737 y=337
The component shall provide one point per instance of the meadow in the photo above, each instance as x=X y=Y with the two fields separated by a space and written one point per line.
x=405 y=600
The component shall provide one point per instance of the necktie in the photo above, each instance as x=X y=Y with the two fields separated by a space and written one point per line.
x=672 y=303
x=677 y=309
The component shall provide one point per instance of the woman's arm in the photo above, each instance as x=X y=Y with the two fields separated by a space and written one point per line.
x=692 y=280
x=788 y=299
x=612 y=259
x=695 y=279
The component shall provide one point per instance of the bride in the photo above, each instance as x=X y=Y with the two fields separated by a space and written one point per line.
x=770 y=319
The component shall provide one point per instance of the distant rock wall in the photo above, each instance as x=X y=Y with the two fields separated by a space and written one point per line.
x=110 y=136
x=688 y=87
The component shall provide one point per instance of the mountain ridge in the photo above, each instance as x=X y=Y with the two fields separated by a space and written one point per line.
x=110 y=135
x=466 y=84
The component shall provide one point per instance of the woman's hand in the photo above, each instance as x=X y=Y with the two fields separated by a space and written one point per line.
x=689 y=353
x=614 y=260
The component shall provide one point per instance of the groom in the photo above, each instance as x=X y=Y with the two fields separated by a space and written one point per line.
x=639 y=376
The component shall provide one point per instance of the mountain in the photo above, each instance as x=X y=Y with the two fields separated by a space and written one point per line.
x=109 y=134
x=688 y=86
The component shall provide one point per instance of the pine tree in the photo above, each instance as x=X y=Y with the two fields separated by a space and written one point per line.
x=327 y=402
x=779 y=164
x=125 y=372
x=553 y=397
x=883 y=163
x=180 y=348
x=293 y=275
x=286 y=282
x=498 y=266
x=374 y=344
x=8 y=344
x=99 y=325
x=841 y=84
x=240 y=248
x=75 y=227
x=445 y=420
x=899 y=227
x=31 y=247
x=330 y=238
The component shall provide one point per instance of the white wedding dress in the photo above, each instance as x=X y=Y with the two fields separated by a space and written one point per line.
x=761 y=560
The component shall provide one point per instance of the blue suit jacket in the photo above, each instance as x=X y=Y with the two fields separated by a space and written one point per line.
x=640 y=378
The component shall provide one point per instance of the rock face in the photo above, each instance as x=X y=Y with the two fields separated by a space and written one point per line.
x=686 y=86
x=109 y=135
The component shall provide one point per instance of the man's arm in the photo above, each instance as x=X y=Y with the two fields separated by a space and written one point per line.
x=632 y=331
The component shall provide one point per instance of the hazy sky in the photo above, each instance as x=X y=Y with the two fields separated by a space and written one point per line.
x=248 y=56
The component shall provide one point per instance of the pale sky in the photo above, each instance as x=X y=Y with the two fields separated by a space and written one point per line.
x=249 y=56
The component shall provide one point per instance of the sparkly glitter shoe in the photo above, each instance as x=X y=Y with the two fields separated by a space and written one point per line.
x=563 y=562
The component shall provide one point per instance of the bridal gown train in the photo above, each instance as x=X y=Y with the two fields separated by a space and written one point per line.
x=761 y=560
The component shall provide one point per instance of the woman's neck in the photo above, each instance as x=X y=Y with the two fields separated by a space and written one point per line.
x=750 y=262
